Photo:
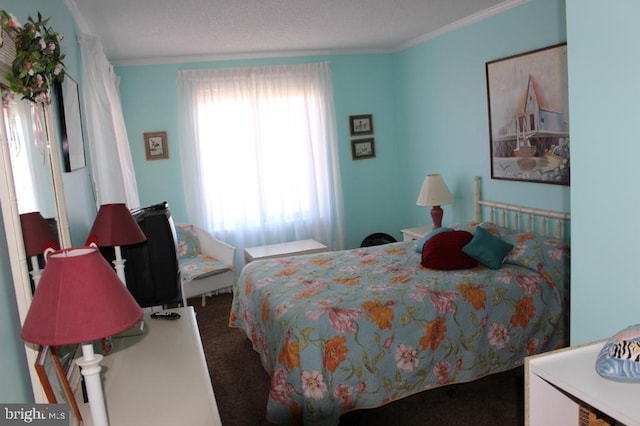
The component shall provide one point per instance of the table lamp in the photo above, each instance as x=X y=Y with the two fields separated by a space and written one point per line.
x=38 y=239
x=114 y=226
x=434 y=193
x=80 y=299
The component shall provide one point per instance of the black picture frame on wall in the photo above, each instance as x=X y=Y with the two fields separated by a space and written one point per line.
x=361 y=124
x=363 y=148
x=70 y=118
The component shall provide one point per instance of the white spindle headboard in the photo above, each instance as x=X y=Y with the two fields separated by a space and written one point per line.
x=512 y=216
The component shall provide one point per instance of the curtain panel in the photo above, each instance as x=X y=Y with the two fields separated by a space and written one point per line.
x=259 y=154
x=112 y=165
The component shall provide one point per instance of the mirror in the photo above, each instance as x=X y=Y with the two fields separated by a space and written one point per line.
x=29 y=158
x=46 y=195
x=32 y=177
x=32 y=153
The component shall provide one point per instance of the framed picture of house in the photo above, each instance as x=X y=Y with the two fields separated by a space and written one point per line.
x=363 y=148
x=529 y=116
x=361 y=124
x=155 y=146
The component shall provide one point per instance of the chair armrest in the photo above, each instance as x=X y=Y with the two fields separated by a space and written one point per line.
x=215 y=248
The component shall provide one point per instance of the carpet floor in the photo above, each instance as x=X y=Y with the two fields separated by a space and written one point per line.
x=241 y=385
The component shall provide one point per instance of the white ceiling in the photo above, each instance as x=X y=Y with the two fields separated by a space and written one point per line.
x=156 y=31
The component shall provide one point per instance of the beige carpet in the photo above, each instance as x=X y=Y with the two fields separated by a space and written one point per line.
x=241 y=386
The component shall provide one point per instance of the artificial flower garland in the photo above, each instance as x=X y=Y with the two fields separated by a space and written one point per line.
x=38 y=63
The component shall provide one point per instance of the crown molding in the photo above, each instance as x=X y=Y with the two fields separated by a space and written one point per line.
x=245 y=56
x=487 y=13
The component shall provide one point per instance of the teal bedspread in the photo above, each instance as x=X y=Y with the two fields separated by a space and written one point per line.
x=360 y=328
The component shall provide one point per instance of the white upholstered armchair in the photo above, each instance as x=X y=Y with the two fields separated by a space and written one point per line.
x=205 y=263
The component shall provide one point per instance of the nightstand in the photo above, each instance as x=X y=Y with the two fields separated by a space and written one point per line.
x=411 y=234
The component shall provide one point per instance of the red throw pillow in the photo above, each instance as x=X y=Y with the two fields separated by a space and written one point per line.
x=444 y=251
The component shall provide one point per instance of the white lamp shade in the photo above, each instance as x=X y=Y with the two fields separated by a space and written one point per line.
x=434 y=192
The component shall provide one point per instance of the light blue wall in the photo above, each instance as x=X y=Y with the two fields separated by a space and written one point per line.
x=442 y=108
x=604 y=88
x=15 y=385
x=430 y=114
x=362 y=84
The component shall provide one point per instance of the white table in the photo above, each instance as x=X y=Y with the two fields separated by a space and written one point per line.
x=159 y=377
x=293 y=248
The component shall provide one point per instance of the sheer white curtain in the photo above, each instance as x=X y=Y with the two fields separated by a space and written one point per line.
x=259 y=154
x=114 y=175
x=28 y=150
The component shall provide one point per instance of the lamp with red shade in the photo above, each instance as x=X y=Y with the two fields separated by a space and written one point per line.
x=434 y=193
x=38 y=239
x=114 y=226
x=80 y=299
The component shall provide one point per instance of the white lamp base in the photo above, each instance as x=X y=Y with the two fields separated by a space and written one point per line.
x=36 y=273
x=90 y=369
x=118 y=264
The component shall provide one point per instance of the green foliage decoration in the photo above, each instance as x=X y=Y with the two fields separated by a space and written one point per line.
x=38 y=63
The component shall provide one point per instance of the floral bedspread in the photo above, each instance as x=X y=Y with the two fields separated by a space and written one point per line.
x=359 y=328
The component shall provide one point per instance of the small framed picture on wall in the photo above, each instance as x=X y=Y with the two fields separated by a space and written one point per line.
x=361 y=124
x=155 y=145
x=363 y=148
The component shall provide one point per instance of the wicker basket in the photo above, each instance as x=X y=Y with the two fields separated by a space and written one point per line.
x=588 y=416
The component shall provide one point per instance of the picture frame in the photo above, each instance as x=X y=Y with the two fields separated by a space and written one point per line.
x=361 y=124
x=70 y=119
x=363 y=148
x=54 y=381
x=528 y=105
x=156 y=146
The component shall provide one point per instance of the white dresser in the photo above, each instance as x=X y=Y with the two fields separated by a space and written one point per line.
x=159 y=377
x=558 y=383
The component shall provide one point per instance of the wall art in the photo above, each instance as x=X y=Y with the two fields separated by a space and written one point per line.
x=529 y=116
x=363 y=148
x=361 y=124
x=155 y=146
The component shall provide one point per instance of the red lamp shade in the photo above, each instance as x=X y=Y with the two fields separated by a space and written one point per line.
x=114 y=226
x=79 y=299
x=37 y=234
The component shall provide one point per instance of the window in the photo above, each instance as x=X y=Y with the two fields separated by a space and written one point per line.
x=259 y=150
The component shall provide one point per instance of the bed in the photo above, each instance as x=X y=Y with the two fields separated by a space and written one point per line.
x=361 y=328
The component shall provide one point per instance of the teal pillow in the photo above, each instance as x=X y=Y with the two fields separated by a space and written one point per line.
x=424 y=239
x=487 y=249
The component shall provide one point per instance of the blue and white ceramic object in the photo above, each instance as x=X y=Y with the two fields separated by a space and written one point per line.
x=619 y=358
